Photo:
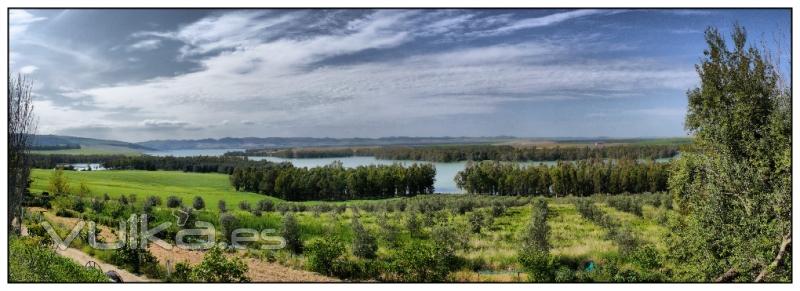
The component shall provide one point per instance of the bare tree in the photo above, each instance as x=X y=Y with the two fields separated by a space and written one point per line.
x=21 y=127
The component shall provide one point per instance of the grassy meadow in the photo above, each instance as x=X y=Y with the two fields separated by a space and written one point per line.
x=490 y=253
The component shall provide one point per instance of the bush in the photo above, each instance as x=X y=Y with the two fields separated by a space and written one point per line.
x=266 y=205
x=244 y=205
x=30 y=261
x=413 y=225
x=217 y=268
x=291 y=234
x=323 y=252
x=173 y=202
x=198 y=203
x=418 y=262
x=228 y=223
x=477 y=221
x=536 y=234
x=364 y=243
x=222 y=206
x=537 y=264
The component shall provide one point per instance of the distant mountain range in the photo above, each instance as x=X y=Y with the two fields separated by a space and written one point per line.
x=284 y=142
x=289 y=142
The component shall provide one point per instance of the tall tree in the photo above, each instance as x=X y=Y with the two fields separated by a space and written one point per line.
x=733 y=188
x=21 y=127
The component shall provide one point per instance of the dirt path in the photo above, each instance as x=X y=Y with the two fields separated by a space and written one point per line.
x=83 y=258
x=258 y=271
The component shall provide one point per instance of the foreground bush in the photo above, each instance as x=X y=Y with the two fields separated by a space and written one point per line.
x=30 y=261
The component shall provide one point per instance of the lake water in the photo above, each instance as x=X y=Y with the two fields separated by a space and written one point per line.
x=445 y=172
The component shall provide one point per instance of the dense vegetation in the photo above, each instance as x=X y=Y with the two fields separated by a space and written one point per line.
x=580 y=178
x=734 y=189
x=30 y=261
x=197 y=164
x=453 y=153
x=334 y=182
x=55 y=147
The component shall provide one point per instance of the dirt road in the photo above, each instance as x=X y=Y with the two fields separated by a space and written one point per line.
x=83 y=258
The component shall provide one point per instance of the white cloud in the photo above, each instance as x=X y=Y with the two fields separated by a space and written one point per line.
x=28 y=69
x=159 y=123
x=19 y=21
x=145 y=45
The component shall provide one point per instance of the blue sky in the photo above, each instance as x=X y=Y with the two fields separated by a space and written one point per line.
x=143 y=74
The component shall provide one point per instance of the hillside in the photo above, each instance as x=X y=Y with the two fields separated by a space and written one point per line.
x=53 y=144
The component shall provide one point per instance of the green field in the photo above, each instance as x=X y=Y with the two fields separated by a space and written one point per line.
x=211 y=187
x=490 y=255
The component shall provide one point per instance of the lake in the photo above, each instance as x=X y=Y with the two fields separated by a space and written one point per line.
x=445 y=172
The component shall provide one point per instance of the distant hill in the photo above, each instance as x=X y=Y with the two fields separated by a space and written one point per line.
x=83 y=145
x=285 y=142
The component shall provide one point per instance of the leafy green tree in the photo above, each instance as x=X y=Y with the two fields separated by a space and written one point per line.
x=733 y=188
x=198 y=203
x=58 y=182
x=216 y=268
x=173 y=201
x=322 y=253
x=535 y=253
x=364 y=243
x=291 y=234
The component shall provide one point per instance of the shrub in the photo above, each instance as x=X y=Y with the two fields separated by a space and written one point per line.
x=413 y=225
x=266 y=205
x=58 y=183
x=228 y=223
x=322 y=253
x=173 y=202
x=222 y=206
x=536 y=234
x=30 y=261
x=198 y=203
x=390 y=231
x=217 y=268
x=537 y=264
x=153 y=200
x=364 y=243
x=244 y=205
x=476 y=221
x=291 y=234
x=418 y=262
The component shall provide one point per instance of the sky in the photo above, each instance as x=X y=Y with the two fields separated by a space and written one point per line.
x=145 y=74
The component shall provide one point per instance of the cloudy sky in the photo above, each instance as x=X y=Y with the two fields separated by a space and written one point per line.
x=137 y=75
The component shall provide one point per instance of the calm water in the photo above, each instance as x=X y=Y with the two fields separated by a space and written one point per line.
x=445 y=172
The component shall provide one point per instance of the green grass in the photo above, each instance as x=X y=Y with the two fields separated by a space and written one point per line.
x=29 y=261
x=493 y=251
x=211 y=187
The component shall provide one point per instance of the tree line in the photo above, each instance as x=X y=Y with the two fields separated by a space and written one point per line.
x=334 y=182
x=477 y=152
x=580 y=178
x=197 y=164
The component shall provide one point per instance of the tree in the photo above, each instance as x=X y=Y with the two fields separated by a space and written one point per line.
x=228 y=223
x=21 y=128
x=364 y=243
x=222 y=206
x=323 y=252
x=83 y=189
x=291 y=234
x=733 y=188
x=216 y=268
x=198 y=203
x=172 y=201
x=58 y=182
x=535 y=253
